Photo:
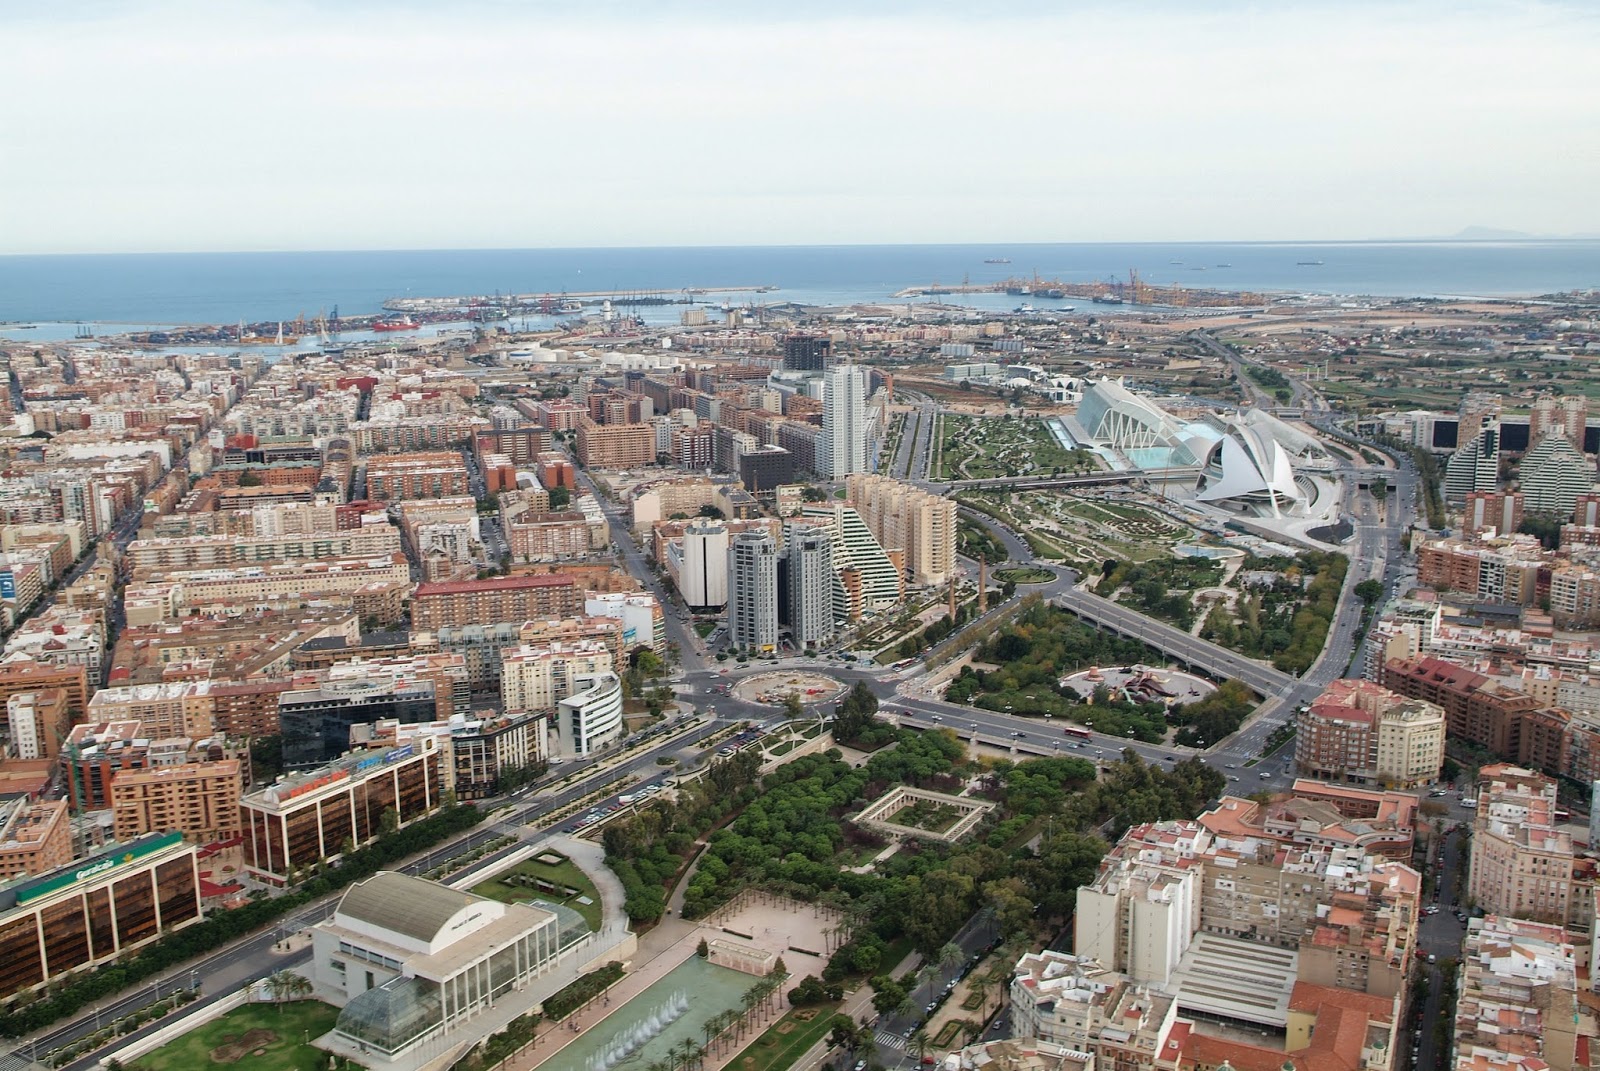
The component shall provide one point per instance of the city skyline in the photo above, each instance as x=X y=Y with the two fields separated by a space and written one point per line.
x=489 y=125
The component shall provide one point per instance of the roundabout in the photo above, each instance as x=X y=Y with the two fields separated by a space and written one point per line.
x=773 y=688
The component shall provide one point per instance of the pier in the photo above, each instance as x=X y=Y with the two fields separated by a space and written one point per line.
x=1130 y=291
x=548 y=302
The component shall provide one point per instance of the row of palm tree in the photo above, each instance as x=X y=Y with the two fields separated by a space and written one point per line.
x=684 y=1054
x=727 y=1027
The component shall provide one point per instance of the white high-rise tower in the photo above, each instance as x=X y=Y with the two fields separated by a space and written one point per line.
x=753 y=591
x=842 y=449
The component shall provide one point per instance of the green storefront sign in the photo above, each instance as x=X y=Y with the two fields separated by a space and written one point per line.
x=101 y=864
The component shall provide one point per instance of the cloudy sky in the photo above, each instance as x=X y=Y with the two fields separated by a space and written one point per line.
x=351 y=124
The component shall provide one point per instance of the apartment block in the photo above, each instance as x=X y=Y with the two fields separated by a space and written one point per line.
x=1575 y=597
x=26 y=675
x=1476 y=708
x=904 y=517
x=39 y=722
x=1523 y=865
x=198 y=552
x=1075 y=1001
x=478 y=748
x=615 y=446
x=545 y=537
x=1247 y=875
x=163 y=596
x=522 y=444
x=247 y=709
x=1504 y=570
x=1361 y=733
x=1518 y=1006
x=513 y=598
x=643 y=624
x=536 y=678
x=183 y=709
x=481 y=646
x=198 y=799
x=431 y=474
x=753 y=591
x=1492 y=512
x=95 y=752
x=867 y=578
x=35 y=837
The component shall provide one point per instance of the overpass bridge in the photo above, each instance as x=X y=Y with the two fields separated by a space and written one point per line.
x=1183 y=648
x=1178 y=472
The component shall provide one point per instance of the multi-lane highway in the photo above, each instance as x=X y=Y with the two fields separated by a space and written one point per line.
x=249 y=959
x=1374 y=549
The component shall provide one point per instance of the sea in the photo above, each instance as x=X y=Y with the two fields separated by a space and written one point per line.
x=131 y=291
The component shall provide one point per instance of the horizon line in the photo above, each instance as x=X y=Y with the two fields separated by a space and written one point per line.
x=998 y=244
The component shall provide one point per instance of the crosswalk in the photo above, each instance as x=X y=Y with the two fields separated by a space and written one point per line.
x=894 y=1041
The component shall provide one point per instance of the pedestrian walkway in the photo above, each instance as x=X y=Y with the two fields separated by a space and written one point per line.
x=894 y=1041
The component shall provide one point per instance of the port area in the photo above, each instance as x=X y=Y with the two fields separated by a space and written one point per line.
x=534 y=303
x=1132 y=291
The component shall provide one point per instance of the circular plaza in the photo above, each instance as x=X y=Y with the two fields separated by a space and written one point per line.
x=774 y=688
x=1140 y=684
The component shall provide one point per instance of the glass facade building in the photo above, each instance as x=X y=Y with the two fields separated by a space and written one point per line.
x=92 y=911
x=407 y=958
x=310 y=817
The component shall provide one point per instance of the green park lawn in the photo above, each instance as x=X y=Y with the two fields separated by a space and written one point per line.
x=273 y=1033
x=565 y=874
x=786 y=1040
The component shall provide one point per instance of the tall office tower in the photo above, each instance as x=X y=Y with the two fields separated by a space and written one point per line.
x=1475 y=466
x=806 y=353
x=843 y=446
x=703 y=570
x=809 y=584
x=753 y=591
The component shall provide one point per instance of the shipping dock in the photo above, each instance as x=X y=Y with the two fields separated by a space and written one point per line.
x=1114 y=291
x=565 y=302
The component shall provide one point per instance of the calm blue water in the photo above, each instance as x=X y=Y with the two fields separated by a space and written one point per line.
x=218 y=288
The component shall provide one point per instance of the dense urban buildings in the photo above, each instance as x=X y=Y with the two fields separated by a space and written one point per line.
x=511 y=598
x=1361 y=733
x=1523 y=865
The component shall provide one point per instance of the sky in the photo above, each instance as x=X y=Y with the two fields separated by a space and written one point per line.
x=179 y=125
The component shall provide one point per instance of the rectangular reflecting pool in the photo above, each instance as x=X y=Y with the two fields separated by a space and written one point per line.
x=644 y=1029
